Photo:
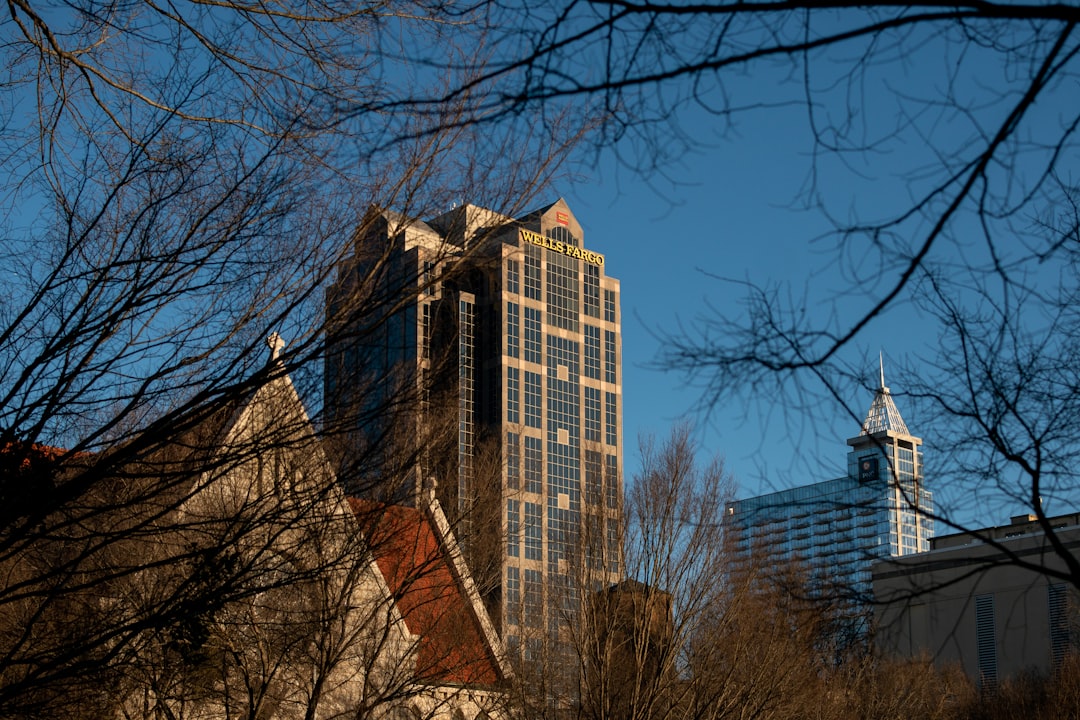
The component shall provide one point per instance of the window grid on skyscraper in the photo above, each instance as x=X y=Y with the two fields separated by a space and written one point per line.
x=513 y=594
x=533 y=335
x=592 y=352
x=532 y=272
x=513 y=329
x=562 y=533
x=609 y=306
x=609 y=356
x=466 y=402
x=513 y=527
x=534 y=598
x=534 y=464
x=533 y=530
x=562 y=291
x=611 y=481
x=591 y=299
x=611 y=418
x=532 y=399
x=513 y=394
x=513 y=277
x=513 y=460
x=592 y=414
x=563 y=387
x=593 y=474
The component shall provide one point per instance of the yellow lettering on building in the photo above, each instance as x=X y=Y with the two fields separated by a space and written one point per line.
x=569 y=250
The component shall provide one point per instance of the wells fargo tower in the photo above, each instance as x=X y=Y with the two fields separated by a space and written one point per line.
x=505 y=333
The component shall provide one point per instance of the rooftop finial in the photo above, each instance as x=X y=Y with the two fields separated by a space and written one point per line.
x=881 y=367
x=276 y=344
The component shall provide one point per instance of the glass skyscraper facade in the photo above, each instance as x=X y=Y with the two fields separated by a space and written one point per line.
x=518 y=323
x=834 y=530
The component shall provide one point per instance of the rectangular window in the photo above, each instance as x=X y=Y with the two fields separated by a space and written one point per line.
x=513 y=460
x=534 y=464
x=609 y=306
x=592 y=352
x=513 y=595
x=429 y=278
x=563 y=290
x=533 y=337
x=612 y=548
x=609 y=356
x=1058 y=619
x=592 y=414
x=513 y=395
x=533 y=541
x=532 y=272
x=425 y=332
x=611 y=419
x=533 y=598
x=513 y=276
x=593 y=474
x=532 y=399
x=513 y=527
x=513 y=329
x=591 y=301
x=986 y=641
x=611 y=481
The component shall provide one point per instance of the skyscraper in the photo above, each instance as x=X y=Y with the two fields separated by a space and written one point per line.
x=507 y=332
x=835 y=529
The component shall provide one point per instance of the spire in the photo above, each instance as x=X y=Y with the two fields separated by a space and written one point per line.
x=883 y=414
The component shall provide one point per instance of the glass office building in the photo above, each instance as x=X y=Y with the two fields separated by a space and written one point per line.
x=515 y=322
x=834 y=530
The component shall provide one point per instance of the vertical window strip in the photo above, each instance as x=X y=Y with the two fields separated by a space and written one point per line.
x=513 y=277
x=513 y=595
x=592 y=414
x=562 y=291
x=592 y=352
x=532 y=272
x=513 y=329
x=532 y=399
x=534 y=598
x=1058 y=620
x=534 y=464
x=611 y=481
x=533 y=527
x=609 y=356
x=533 y=337
x=513 y=460
x=513 y=527
x=513 y=394
x=591 y=299
x=611 y=419
x=609 y=306
x=986 y=640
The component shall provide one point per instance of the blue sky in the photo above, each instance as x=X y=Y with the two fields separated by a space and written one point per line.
x=730 y=208
x=730 y=216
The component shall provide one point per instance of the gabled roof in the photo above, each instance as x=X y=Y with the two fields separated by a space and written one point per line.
x=456 y=645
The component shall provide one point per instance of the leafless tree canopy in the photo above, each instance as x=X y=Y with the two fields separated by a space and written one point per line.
x=940 y=144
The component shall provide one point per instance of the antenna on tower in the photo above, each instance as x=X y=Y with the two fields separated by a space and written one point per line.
x=881 y=367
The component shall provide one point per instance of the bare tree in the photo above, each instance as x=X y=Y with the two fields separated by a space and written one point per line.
x=957 y=126
x=180 y=181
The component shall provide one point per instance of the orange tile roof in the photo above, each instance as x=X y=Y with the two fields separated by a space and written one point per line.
x=429 y=595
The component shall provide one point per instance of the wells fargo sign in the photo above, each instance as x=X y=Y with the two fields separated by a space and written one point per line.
x=561 y=247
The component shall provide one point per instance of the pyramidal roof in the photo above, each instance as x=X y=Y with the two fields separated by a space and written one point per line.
x=883 y=414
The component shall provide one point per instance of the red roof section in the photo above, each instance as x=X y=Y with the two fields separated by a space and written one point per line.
x=429 y=595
